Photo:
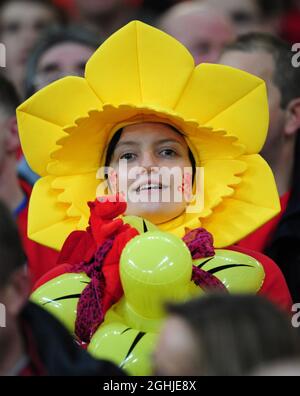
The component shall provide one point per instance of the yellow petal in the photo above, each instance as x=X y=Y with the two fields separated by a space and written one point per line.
x=233 y=220
x=42 y=117
x=254 y=202
x=142 y=65
x=62 y=102
x=209 y=145
x=58 y=206
x=220 y=180
x=80 y=151
x=258 y=186
x=77 y=191
x=38 y=140
x=47 y=220
x=225 y=98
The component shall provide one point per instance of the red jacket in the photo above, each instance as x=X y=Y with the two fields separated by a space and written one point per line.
x=274 y=287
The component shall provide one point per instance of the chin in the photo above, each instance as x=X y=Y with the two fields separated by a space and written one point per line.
x=156 y=213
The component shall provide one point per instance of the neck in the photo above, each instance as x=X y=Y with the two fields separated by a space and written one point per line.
x=12 y=351
x=282 y=163
x=10 y=191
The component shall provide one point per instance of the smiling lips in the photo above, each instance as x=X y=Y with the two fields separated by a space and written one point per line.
x=150 y=187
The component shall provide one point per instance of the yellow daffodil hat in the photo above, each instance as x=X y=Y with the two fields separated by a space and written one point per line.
x=141 y=73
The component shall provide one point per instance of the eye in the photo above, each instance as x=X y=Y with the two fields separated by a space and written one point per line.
x=128 y=156
x=40 y=25
x=168 y=153
x=12 y=27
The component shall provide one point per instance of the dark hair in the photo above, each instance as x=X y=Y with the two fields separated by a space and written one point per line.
x=9 y=99
x=236 y=334
x=270 y=8
x=11 y=252
x=286 y=77
x=117 y=136
x=56 y=35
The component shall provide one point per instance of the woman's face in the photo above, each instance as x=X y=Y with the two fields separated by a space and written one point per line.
x=150 y=165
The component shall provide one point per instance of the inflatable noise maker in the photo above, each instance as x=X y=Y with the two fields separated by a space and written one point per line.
x=155 y=267
x=115 y=272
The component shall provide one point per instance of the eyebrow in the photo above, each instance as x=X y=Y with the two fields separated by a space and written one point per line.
x=133 y=143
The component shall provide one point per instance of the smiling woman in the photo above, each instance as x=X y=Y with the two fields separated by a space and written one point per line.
x=128 y=119
x=158 y=158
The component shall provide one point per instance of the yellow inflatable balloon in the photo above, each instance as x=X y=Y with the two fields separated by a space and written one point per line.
x=155 y=268
x=139 y=224
x=60 y=296
x=239 y=272
x=128 y=348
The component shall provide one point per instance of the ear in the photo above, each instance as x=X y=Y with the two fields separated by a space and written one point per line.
x=13 y=141
x=16 y=293
x=292 y=124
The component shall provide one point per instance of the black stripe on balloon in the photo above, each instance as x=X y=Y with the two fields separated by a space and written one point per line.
x=69 y=297
x=134 y=344
x=145 y=226
x=123 y=332
x=86 y=283
x=204 y=262
x=224 y=267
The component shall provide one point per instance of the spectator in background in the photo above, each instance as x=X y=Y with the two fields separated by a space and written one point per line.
x=224 y=335
x=252 y=15
x=15 y=192
x=107 y=16
x=271 y=59
x=61 y=51
x=21 y=23
x=290 y=368
x=203 y=29
x=33 y=343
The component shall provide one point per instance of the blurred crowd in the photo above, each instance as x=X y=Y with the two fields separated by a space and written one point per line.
x=46 y=40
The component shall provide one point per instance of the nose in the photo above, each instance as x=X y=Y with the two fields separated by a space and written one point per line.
x=148 y=160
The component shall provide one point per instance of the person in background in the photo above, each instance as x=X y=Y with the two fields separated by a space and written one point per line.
x=289 y=368
x=61 y=51
x=15 y=191
x=209 y=29
x=252 y=15
x=33 y=343
x=224 y=335
x=21 y=23
x=107 y=16
x=271 y=59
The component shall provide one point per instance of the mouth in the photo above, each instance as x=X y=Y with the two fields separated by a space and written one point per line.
x=150 y=187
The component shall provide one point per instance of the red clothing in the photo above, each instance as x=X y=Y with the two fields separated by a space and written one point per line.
x=259 y=239
x=41 y=259
x=274 y=287
x=290 y=26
